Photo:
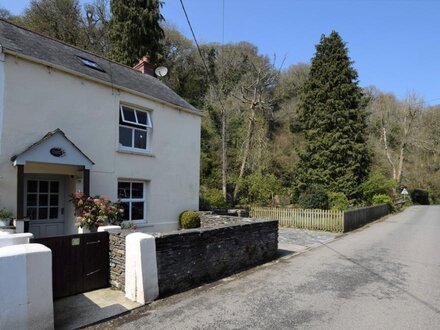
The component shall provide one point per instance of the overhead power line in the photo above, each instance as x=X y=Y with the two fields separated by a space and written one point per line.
x=208 y=75
x=195 y=39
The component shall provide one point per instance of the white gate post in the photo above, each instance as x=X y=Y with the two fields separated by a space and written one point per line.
x=141 y=283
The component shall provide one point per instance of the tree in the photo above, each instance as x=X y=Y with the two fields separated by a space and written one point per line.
x=5 y=14
x=285 y=132
x=239 y=108
x=187 y=75
x=135 y=30
x=95 y=26
x=396 y=123
x=255 y=94
x=333 y=117
x=60 y=19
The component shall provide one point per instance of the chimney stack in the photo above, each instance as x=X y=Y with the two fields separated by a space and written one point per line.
x=145 y=66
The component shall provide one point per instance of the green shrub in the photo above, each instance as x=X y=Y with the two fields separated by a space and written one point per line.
x=377 y=184
x=314 y=197
x=214 y=198
x=189 y=219
x=383 y=199
x=420 y=196
x=259 y=189
x=432 y=199
x=338 y=201
x=5 y=214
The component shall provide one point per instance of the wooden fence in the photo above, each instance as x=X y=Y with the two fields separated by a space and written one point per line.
x=327 y=220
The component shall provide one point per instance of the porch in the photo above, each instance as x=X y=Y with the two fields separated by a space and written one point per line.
x=48 y=172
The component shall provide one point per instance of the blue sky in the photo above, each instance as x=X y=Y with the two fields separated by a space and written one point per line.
x=395 y=44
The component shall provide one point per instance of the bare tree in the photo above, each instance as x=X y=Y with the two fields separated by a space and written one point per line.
x=256 y=95
x=95 y=26
x=397 y=123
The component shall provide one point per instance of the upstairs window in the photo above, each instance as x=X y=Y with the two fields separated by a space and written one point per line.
x=135 y=128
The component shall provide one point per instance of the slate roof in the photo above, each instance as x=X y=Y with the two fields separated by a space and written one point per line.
x=28 y=43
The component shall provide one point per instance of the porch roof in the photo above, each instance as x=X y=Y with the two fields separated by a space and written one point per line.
x=53 y=148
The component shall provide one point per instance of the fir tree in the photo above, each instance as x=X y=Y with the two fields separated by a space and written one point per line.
x=333 y=117
x=135 y=30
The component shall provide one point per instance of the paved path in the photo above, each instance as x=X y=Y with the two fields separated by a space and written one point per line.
x=386 y=276
x=302 y=237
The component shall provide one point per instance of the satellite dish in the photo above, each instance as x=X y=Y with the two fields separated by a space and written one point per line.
x=161 y=71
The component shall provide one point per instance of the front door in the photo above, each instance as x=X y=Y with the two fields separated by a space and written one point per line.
x=44 y=205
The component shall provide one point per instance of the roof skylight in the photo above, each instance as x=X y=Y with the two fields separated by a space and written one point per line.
x=90 y=64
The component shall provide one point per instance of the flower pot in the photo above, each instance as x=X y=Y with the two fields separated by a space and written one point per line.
x=5 y=222
x=85 y=230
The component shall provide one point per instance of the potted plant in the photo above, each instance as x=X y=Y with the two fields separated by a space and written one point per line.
x=92 y=212
x=5 y=217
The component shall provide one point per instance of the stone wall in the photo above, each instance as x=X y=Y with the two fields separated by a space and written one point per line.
x=188 y=258
x=237 y=212
x=117 y=259
x=356 y=218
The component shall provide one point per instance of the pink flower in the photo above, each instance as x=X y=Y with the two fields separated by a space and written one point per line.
x=78 y=194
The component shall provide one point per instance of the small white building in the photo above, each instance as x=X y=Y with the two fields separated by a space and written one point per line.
x=73 y=121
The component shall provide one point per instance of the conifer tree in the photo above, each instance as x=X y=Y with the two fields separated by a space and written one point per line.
x=135 y=30
x=333 y=117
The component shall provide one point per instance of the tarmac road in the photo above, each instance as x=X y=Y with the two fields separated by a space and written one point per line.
x=385 y=276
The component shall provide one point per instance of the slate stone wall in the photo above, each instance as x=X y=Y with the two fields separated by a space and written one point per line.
x=117 y=259
x=356 y=218
x=188 y=258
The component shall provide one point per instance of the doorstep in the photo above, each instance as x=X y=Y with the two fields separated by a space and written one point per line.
x=87 y=308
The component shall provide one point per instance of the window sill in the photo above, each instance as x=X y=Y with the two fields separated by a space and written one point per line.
x=134 y=152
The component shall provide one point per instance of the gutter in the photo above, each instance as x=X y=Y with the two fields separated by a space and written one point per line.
x=84 y=76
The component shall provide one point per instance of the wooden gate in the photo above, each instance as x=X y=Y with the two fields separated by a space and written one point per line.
x=80 y=263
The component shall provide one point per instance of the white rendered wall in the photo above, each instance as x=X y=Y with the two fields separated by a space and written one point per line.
x=28 y=303
x=2 y=90
x=88 y=114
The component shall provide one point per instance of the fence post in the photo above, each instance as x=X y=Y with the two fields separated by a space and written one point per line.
x=343 y=221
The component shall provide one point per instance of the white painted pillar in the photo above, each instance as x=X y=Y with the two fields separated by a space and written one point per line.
x=141 y=283
x=26 y=300
x=15 y=239
x=19 y=225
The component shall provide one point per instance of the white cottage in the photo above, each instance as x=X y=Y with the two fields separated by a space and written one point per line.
x=73 y=121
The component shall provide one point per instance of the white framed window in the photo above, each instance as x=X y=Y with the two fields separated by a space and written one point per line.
x=132 y=195
x=135 y=129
